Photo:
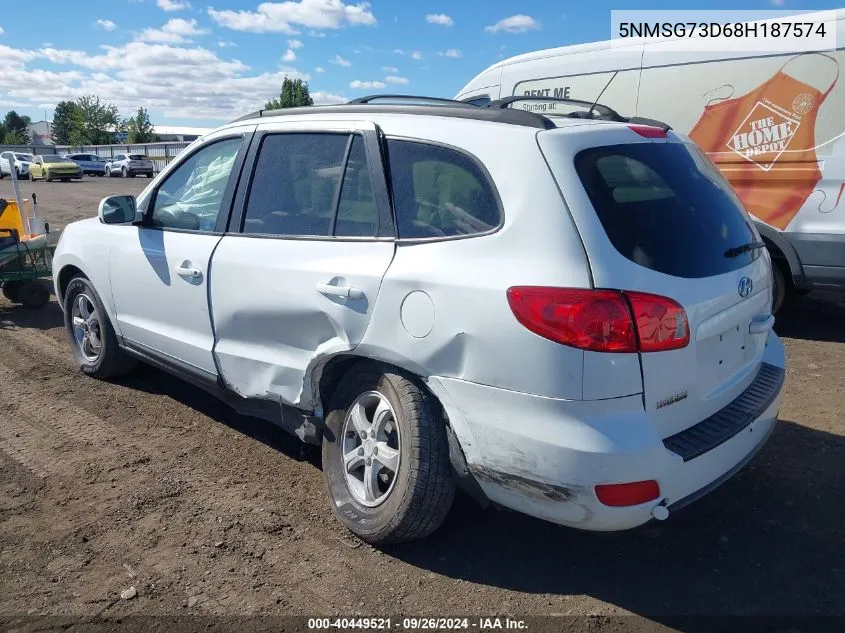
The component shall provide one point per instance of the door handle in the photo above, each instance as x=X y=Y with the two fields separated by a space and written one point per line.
x=761 y=325
x=345 y=292
x=184 y=271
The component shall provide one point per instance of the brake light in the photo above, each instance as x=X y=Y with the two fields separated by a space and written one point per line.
x=601 y=320
x=631 y=494
x=649 y=131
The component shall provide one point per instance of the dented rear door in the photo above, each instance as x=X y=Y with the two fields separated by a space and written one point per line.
x=296 y=277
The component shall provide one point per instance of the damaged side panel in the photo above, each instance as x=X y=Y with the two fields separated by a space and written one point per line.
x=278 y=309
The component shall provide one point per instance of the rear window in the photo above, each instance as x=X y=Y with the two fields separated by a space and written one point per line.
x=665 y=206
x=137 y=157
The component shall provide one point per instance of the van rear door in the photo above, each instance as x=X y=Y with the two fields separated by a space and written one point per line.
x=657 y=217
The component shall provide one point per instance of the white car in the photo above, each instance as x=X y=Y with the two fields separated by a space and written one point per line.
x=20 y=161
x=130 y=165
x=578 y=328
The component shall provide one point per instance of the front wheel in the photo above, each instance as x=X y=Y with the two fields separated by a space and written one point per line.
x=90 y=333
x=386 y=457
x=124 y=173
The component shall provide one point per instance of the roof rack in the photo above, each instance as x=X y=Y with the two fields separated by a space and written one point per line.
x=595 y=110
x=463 y=111
x=412 y=98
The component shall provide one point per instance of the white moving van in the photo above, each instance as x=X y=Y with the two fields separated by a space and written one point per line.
x=774 y=124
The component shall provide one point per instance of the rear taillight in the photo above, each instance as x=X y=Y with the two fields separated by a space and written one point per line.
x=631 y=494
x=649 y=131
x=601 y=320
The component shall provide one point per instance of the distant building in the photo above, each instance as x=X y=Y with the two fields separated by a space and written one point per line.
x=40 y=133
x=178 y=133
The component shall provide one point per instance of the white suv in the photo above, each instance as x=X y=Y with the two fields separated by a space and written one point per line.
x=19 y=161
x=130 y=165
x=570 y=318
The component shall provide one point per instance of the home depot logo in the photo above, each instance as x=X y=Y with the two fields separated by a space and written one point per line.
x=763 y=136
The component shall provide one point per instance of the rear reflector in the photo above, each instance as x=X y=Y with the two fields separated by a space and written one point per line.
x=632 y=494
x=649 y=131
x=601 y=320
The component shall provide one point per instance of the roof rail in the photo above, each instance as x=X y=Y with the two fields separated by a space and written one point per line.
x=464 y=111
x=420 y=100
x=595 y=110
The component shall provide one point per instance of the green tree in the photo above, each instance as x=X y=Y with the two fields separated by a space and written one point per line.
x=294 y=93
x=94 y=122
x=14 y=122
x=64 y=122
x=16 y=137
x=139 y=127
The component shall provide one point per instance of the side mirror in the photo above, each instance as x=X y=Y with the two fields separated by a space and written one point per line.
x=117 y=210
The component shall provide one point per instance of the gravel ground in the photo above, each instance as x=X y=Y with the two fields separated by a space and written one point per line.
x=149 y=483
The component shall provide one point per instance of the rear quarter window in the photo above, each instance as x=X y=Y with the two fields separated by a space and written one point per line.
x=439 y=192
x=666 y=207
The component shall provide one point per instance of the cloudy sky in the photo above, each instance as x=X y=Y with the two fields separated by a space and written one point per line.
x=194 y=63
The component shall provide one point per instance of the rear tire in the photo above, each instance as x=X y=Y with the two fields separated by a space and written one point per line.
x=415 y=500
x=33 y=294
x=11 y=290
x=94 y=345
x=778 y=288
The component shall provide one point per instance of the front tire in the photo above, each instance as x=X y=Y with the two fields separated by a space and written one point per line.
x=124 y=173
x=403 y=492
x=90 y=332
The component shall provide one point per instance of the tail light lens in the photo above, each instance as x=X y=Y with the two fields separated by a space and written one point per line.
x=601 y=320
x=649 y=131
x=631 y=494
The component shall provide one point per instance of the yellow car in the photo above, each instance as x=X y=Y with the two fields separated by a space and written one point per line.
x=53 y=167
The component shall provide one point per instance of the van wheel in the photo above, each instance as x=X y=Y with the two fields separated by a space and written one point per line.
x=90 y=333
x=778 y=288
x=386 y=457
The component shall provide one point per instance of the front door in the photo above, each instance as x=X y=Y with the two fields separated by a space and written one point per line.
x=159 y=275
x=296 y=279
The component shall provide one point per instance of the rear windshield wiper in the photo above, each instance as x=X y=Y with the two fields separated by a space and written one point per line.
x=736 y=251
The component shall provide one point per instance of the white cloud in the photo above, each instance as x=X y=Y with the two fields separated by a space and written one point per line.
x=393 y=79
x=284 y=17
x=294 y=44
x=289 y=56
x=366 y=85
x=173 y=5
x=390 y=69
x=416 y=55
x=337 y=59
x=398 y=51
x=106 y=25
x=319 y=69
x=226 y=44
x=452 y=52
x=327 y=98
x=175 y=31
x=514 y=24
x=439 y=18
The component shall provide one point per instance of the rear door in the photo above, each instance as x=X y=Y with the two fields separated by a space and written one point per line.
x=296 y=278
x=656 y=216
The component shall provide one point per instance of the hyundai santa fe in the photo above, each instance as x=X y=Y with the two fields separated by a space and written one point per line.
x=565 y=316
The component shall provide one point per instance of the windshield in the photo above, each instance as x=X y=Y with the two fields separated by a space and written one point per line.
x=51 y=158
x=665 y=206
x=24 y=157
x=137 y=157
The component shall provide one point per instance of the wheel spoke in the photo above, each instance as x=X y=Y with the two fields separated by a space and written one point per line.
x=382 y=415
x=82 y=307
x=359 y=419
x=371 y=482
x=78 y=321
x=387 y=456
x=353 y=459
x=86 y=344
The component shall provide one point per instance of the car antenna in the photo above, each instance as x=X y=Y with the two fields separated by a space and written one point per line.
x=592 y=107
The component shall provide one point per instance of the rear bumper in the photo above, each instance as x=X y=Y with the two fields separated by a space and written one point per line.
x=544 y=457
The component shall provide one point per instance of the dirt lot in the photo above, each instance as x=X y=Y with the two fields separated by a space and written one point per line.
x=147 y=482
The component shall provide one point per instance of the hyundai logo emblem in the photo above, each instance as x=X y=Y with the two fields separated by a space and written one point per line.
x=744 y=287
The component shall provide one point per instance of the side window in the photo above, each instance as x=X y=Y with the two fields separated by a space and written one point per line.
x=191 y=196
x=478 y=101
x=357 y=213
x=293 y=189
x=439 y=192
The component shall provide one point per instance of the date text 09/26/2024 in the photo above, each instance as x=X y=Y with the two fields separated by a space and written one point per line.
x=417 y=624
